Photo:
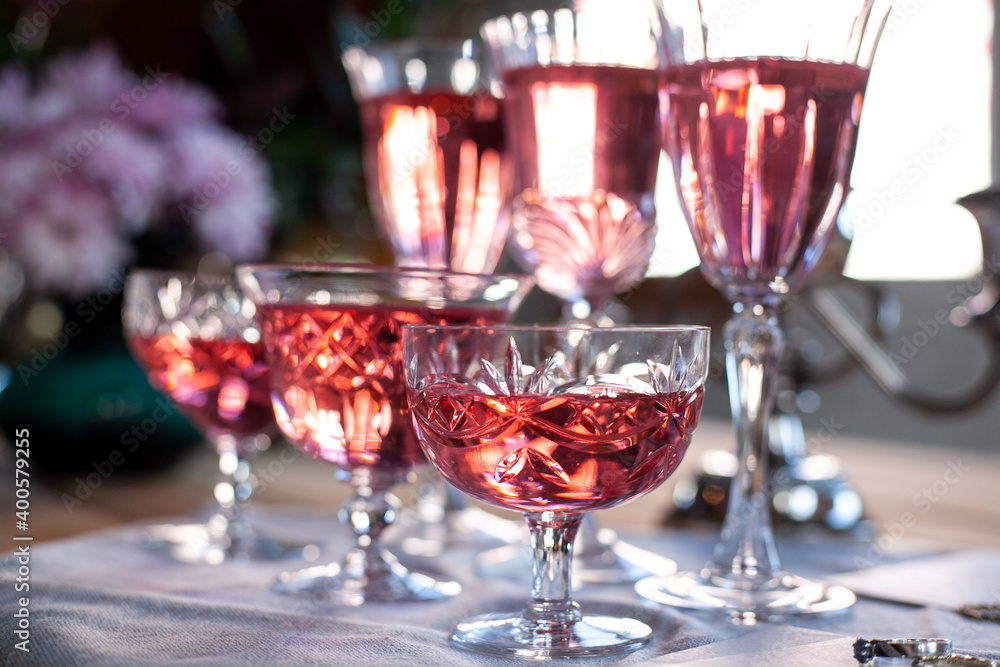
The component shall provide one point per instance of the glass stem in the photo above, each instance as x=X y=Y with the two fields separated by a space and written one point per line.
x=368 y=513
x=233 y=489
x=754 y=341
x=550 y=614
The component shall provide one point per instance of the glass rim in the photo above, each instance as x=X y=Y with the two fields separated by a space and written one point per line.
x=417 y=42
x=558 y=328
x=351 y=269
x=181 y=274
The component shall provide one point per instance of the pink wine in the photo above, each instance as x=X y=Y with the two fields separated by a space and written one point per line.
x=220 y=385
x=443 y=178
x=585 y=141
x=762 y=150
x=565 y=453
x=338 y=382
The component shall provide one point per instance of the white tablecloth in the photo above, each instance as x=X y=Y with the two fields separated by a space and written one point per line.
x=101 y=599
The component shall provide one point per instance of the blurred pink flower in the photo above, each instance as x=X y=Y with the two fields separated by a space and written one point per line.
x=174 y=103
x=65 y=242
x=220 y=185
x=92 y=155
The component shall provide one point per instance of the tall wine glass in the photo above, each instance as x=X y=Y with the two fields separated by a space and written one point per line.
x=554 y=422
x=331 y=333
x=435 y=162
x=580 y=106
x=194 y=335
x=760 y=120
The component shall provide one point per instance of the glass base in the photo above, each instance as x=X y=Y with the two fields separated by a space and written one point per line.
x=196 y=543
x=340 y=585
x=504 y=635
x=747 y=601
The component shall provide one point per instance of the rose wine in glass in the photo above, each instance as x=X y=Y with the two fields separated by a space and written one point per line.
x=354 y=357
x=221 y=385
x=589 y=452
x=760 y=123
x=581 y=139
x=195 y=338
x=580 y=104
x=435 y=161
x=554 y=422
x=764 y=148
x=332 y=336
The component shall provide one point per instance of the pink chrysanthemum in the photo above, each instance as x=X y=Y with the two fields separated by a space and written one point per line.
x=86 y=165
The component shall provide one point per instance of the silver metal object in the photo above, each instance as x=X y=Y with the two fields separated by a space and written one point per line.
x=867 y=649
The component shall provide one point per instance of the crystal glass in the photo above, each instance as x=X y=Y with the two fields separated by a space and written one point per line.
x=554 y=422
x=580 y=106
x=435 y=161
x=760 y=119
x=194 y=335
x=331 y=333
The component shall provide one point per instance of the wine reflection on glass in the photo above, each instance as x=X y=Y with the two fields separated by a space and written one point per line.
x=331 y=334
x=554 y=422
x=194 y=336
x=760 y=122
x=580 y=106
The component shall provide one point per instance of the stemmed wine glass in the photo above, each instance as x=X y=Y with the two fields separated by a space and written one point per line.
x=194 y=335
x=580 y=108
x=554 y=422
x=760 y=119
x=331 y=334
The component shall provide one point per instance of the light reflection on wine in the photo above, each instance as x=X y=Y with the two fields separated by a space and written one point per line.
x=565 y=134
x=443 y=179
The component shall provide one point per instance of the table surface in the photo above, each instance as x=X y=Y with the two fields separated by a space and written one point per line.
x=97 y=597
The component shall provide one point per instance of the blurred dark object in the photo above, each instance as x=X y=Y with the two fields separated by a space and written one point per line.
x=89 y=407
x=983 y=309
x=811 y=492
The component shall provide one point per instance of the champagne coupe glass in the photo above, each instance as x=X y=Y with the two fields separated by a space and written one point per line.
x=331 y=333
x=436 y=168
x=439 y=180
x=194 y=335
x=580 y=106
x=554 y=422
x=760 y=119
